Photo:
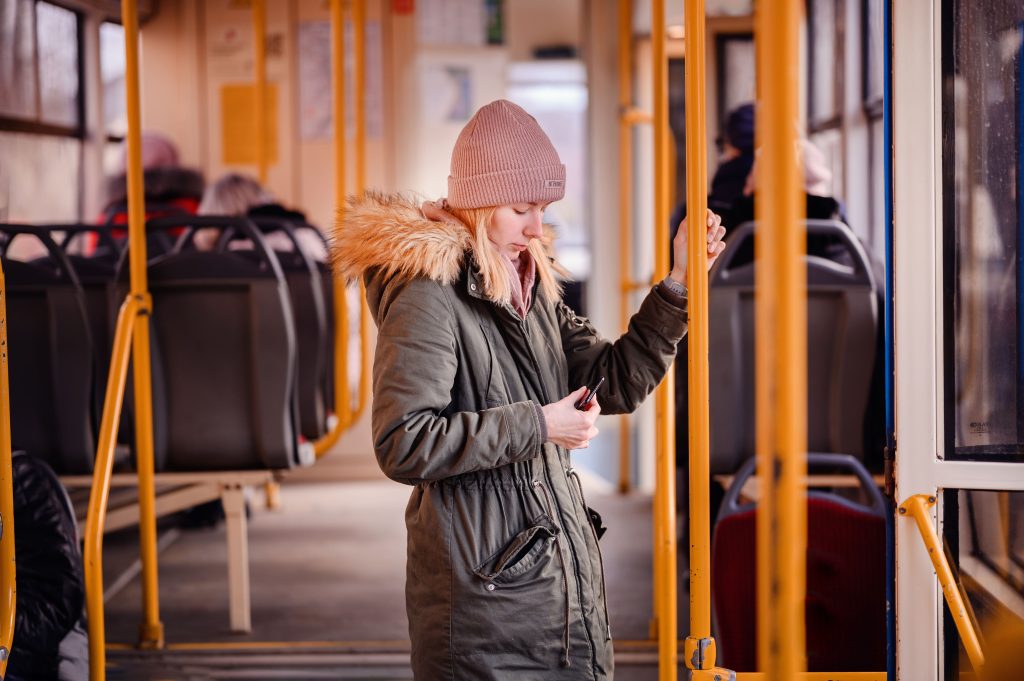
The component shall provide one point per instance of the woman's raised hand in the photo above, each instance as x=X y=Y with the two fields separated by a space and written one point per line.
x=715 y=234
x=568 y=426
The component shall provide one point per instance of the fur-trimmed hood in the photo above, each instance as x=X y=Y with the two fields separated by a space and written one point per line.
x=389 y=233
x=161 y=184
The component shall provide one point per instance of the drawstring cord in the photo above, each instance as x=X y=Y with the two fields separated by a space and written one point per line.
x=600 y=558
x=566 y=662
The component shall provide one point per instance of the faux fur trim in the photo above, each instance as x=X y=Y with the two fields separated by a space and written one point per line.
x=389 y=233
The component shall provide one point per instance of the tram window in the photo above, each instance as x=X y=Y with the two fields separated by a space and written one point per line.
x=35 y=175
x=983 y=102
x=40 y=71
x=825 y=42
x=112 y=67
x=735 y=72
x=985 y=535
x=874 y=51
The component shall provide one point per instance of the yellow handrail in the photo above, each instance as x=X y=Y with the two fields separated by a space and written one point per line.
x=8 y=573
x=359 y=38
x=259 y=31
x=699 y=649
x=781 y=348
x=917 y=507
x=132 y=338
x=96 y=517
x=342 y=399
x=625 y=208
x=665 y=493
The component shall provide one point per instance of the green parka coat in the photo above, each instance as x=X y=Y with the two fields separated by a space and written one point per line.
x=504 y=577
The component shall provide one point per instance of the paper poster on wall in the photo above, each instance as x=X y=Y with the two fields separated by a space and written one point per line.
x=238 y=123
x=447 y=93
x=315 y=94
x=451 y=22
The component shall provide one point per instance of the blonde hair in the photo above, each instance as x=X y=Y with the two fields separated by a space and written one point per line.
x=233 y=194
x=493 y=272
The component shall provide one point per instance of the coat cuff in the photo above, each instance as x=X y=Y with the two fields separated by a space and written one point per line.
x=543 y=423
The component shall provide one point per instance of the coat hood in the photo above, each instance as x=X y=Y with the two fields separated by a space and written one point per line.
x=390 y=234
x=160 y=184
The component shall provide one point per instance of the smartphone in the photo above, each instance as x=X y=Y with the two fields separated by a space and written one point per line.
x=591 y=393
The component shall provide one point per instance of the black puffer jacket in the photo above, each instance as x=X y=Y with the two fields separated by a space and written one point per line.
x=49 y=569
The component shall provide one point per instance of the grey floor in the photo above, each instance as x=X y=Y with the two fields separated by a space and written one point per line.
x=327 y=572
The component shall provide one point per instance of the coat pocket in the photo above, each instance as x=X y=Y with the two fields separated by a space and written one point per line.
x=520 y=554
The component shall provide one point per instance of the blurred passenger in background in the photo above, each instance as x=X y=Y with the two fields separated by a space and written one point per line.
x=169 y=187
x=239 y=195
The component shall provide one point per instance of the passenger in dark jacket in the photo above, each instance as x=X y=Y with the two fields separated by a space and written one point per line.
x=51 y=592
x=477 y=368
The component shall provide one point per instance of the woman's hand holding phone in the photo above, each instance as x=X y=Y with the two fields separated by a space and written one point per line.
x=568 y=426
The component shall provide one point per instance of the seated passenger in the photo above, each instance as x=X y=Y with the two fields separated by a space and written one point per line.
x=237 y=195
x=49 y=642
x=169 y=187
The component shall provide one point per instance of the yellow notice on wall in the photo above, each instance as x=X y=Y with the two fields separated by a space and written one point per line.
x=239 y=137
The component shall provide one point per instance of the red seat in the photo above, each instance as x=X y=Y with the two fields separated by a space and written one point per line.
x=845 y=580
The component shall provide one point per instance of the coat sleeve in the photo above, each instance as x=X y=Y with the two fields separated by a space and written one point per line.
x=632 y=365
x=416 y=437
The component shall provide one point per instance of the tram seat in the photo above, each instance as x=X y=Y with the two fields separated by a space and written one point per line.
x=845 y=605
x=842 y=322
x=306 y=295
x=52 y=361
x=223 y=355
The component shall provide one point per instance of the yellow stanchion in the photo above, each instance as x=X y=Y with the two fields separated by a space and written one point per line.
x=8 y=573
x=93 y=551
x=918 y=507
x=259 y=31
x=665 y=497
x=625 y=19
x=359 y=38
x=781 y=352
x=131 y=338
x=699 y=648
x=342 y=400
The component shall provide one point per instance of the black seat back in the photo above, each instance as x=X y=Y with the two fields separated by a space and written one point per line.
x=51 y=357
x=841 y=318
x=223 y=353
x=306 y=294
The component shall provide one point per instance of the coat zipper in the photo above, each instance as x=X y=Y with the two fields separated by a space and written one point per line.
x=576 y=559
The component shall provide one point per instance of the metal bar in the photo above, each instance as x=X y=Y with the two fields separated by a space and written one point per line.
x=625 y=25
x=342 y=397
x=96 y=518
x=8 y=573
x=917 y=507
x=151 y=629
x=259 y=30
x=151 y=633
x=781 y=376
x=699 y=641
x=890 y=414
x=665 y=496
x=365 y=359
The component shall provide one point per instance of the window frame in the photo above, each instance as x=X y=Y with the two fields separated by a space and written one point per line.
x=38 y=126
x=818 y=123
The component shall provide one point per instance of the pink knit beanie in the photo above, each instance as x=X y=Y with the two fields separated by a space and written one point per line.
x=503 y=157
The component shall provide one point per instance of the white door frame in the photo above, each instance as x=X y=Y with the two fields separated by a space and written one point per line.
x=918 y=311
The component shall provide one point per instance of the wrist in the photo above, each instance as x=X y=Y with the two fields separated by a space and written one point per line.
x=678 y=275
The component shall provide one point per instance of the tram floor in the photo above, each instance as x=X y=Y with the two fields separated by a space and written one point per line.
x=327 y=572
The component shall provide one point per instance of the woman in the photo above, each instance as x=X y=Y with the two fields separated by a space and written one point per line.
x=475 y=358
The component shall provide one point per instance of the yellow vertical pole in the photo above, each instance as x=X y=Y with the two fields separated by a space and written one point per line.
x=625 y=25
x=8 y=591
x=151 y=630
x=664 y=511
x=782 y=365
x=359 y=40
x=342 y=397
x=700 y=647
x=259 y=30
